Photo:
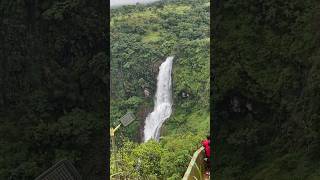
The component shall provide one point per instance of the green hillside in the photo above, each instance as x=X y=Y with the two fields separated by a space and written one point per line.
x=141 y=39
x=53 y=83
x=266 y=98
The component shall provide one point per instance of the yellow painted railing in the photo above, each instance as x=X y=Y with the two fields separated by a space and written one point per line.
x=196 y=166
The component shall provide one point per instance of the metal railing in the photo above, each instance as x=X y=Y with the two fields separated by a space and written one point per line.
x=63 y=170
x=196 y=166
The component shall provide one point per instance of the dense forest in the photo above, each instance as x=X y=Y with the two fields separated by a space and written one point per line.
x=266 y=90
x=54 y=86
x=141 y=37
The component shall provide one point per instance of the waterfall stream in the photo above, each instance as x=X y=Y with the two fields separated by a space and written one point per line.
x=162 y=104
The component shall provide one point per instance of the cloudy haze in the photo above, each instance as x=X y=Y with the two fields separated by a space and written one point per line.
x=128 y=2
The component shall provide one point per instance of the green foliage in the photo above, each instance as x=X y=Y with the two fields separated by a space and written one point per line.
x=149 y=154
x=266 y=66
x=168 y=159
x=141 y=38
x=53 y=79
x=195 y=120
x=180 y=149
x=136 y=56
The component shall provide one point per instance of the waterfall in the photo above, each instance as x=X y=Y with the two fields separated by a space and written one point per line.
x=162 y=104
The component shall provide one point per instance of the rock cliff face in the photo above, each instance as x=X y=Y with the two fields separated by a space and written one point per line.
x=143 y=112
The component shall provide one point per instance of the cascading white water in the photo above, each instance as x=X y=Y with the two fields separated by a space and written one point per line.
x=163 y=102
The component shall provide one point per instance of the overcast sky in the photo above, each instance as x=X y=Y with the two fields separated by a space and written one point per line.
x=127 y=2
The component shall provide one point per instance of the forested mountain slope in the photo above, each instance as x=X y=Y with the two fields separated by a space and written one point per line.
x=142 y=36
x=53 y=79
x=266 y=102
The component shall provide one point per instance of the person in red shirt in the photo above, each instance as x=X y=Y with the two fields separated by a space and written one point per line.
x=206 y=144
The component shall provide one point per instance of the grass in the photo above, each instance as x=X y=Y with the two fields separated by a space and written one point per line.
x=151 y=37
x=135 y=18
x=292 y=166
x=142 y=16
x=198 y=121
x=177 y=9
